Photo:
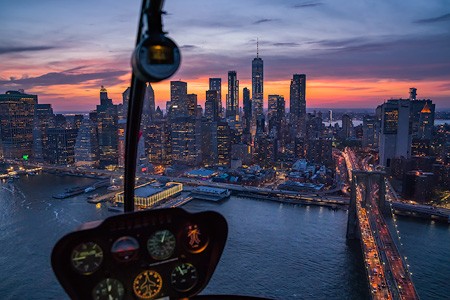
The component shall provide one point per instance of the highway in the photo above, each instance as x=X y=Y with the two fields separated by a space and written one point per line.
x=381 y=254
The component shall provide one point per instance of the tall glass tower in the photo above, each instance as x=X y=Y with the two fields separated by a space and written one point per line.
x=233 y=95
x=297 y=103
x=257 y=85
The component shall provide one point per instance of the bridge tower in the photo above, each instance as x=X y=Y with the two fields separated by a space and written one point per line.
x=367 y=178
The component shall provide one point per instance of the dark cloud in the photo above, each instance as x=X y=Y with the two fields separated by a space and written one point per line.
x=305 y=5
x=189 y=47
x=287 y=44
x=442 y=18
x=413 y=58
x=8 y=50
x=58 y=78
x=263 y=21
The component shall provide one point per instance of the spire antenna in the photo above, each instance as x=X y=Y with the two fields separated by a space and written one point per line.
x=257 y=48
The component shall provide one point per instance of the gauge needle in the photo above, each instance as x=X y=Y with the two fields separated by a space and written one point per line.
x=180 y=270
x=109 y=288
x=164 y=235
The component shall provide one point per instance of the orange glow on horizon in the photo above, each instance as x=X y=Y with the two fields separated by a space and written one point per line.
x=320 y=92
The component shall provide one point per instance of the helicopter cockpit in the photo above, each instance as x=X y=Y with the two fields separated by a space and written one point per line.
x=151 y=254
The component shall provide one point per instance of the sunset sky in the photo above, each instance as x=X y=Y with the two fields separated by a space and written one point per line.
x=355 y=53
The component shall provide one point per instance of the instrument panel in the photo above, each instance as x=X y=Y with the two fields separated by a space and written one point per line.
x=142 y=255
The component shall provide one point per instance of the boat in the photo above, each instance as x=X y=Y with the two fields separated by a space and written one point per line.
x=210 y=193
x=69 y=193
x=116 y=208
x=113 y=188
x=89 y=189
x=92 y=196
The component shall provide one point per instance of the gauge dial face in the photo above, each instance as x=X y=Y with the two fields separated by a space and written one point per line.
x=184 y=277
x=125 y=248
x=161 y=244
x=108 y=289
x=195 y=238
x=87 y=257
x=147 y=284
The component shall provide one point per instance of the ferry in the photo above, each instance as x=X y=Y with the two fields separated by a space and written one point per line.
x=210 y=193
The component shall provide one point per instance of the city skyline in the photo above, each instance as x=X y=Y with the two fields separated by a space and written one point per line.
x=353 y=58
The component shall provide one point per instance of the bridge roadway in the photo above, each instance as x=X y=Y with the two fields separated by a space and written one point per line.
x=394 y=278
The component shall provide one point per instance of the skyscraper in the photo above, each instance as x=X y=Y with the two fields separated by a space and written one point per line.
x=86 y=144
x=297 y=103
x=223 y=144
x=148 y=108
x=43 y=120
x=16 y=124
x=60 y=148
x=247 y=110
x=276 y=112
x=107 y=123
x=212 y=109
x=215 y=84
x=191 y=103
x=186 y=140
x=232 y=96
x=395 y=134
x=370 y=132
x=178 y=104
x=257 y=85
x=347 y=125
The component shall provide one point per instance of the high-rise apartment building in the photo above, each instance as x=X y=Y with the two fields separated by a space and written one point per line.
x=297 y=104
x=16 y=124
x=86 y=144
x=60 y=148
x=233 y=95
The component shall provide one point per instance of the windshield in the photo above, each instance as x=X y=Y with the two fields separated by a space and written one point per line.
x=273 y=106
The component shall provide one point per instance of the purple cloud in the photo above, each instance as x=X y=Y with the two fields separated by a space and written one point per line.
x=442 y=18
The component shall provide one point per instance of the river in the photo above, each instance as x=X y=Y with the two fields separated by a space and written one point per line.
x=273 y=250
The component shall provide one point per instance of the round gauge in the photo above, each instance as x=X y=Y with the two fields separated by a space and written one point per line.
x=87 y=257
x=108 y=289
x=147 y=284
x=161 y=244
x=195 y=238
x=125 y=248
x=184 y=277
